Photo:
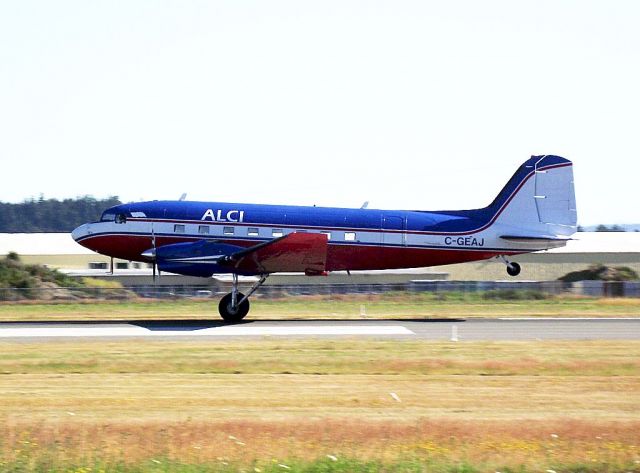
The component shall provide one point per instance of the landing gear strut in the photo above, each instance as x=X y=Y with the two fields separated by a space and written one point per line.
x=513 y=269
x=234 y=306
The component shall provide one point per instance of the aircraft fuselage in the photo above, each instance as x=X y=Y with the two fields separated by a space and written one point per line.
x=358 y=239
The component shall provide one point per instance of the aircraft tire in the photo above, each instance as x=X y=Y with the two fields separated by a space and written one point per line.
x=513 y=269
x=233 y=316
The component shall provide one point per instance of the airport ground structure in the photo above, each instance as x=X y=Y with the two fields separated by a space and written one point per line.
x=540 y=270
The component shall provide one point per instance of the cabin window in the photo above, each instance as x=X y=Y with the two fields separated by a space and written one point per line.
x=277 y=232
x=121 y=218
x=253 y=232
x=350 y=236
x=177 y=228
x=228 y=230
x=203 y=229
x=138 y=215
x=122 y=265
x=328 y=235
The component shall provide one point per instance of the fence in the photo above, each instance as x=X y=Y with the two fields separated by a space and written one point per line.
x=515 y=289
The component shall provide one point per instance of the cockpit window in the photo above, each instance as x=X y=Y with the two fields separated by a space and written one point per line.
x=108 y=217
x=116 y=216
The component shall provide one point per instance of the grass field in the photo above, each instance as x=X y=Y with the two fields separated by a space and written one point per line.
x=319 y=405
x=391 y=305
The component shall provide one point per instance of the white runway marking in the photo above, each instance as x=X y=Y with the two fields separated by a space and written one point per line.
x=599 y=319
x=127 y=330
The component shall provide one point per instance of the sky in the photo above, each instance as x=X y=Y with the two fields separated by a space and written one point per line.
x=405 y=104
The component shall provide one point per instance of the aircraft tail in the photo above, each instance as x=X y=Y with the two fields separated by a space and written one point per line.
x=538 y=202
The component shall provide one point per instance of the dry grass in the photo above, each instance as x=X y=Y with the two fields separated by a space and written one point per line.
x=393 y=305
x=340 y=357
x=534 y=444
x=541 y=405
x=176 y=397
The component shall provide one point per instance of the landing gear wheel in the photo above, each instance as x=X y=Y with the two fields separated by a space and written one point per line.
x=230 y=315
x=513 y=269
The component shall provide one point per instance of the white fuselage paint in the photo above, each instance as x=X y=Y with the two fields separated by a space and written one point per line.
x=485 y=240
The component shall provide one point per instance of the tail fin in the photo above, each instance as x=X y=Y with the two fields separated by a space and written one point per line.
x=539 y=200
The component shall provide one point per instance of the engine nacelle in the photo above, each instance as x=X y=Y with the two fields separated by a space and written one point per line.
x=200 y=258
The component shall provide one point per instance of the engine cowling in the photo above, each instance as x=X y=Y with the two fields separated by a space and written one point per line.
x=200 y=258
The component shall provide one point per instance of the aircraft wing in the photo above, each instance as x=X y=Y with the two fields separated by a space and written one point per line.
x=295 y=252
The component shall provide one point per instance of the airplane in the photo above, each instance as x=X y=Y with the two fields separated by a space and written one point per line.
x=536 y=210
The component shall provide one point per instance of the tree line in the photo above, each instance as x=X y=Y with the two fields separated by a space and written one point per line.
x=612 y=228
x=51 y=215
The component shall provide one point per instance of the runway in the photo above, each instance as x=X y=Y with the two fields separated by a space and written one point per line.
x=416 y=329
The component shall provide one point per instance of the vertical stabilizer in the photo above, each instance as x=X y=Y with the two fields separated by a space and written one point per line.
x=539 y=200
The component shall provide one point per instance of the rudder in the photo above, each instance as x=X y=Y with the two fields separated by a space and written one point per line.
x=539 y=199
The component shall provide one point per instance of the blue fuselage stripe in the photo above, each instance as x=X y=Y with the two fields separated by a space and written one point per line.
x=462 y=222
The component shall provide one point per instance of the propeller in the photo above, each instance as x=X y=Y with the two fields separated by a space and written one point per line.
x=152 y=255
x=155 y=257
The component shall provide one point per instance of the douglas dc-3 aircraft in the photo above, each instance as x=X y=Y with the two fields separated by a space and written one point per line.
x=535 y=211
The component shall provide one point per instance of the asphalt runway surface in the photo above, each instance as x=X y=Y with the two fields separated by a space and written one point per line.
x=504 y=329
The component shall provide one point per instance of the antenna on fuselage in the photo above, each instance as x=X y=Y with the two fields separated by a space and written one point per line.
x=365 y=205
x=183 y=196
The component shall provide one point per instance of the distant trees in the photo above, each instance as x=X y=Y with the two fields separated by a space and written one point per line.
x=19 y=281
x=51 y=215
x=600 y=272
x=612 y=228
x=15 y=274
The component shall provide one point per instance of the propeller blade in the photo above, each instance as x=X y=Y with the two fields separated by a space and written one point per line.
x=155 y=258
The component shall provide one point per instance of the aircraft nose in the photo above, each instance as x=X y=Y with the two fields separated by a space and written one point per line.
x=81 y=231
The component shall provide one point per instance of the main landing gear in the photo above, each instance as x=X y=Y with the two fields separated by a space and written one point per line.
x=234 y=306
x=513 y=269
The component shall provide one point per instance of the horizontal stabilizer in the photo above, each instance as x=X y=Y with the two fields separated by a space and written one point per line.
x=533 y=239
